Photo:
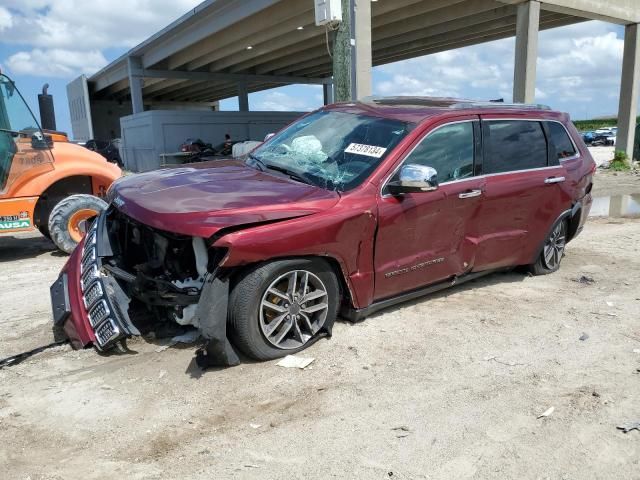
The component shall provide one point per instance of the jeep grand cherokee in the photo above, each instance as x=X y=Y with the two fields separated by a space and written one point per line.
x=352 y=208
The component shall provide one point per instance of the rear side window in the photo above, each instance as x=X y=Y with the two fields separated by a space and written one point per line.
x=512 y=145
x=448 y=149
x=560 y=141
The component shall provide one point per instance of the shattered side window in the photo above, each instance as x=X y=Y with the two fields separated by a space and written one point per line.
x=333 y=150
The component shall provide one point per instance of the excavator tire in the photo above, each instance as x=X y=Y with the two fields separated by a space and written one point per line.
x=66 y=217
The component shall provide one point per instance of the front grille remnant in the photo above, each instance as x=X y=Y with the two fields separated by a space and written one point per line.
x=99 y=313
x=90 y=274
x=94 y=296
x=107 y=332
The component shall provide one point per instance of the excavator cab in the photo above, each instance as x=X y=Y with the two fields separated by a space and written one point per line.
x=23 y=145
x=46 y=182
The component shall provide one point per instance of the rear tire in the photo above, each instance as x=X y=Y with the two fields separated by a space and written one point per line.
x=65 y=216
x=553 y=250
x=269 y=319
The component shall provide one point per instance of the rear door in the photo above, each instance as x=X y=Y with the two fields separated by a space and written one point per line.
x=422 y=237
x=525 y=191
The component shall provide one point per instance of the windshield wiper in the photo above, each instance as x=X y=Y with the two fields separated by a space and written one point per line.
x=290 y=173
x=258 y=162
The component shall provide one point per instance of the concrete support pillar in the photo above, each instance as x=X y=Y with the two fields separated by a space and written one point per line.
x=243 y=97
x=135 y=84
x=629 y=90
x=363 y=54
x=327 y=90
x=527 y=26
x=352 y=58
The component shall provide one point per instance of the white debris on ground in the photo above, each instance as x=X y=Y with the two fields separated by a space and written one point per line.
x=602 y=155
x=292 y=361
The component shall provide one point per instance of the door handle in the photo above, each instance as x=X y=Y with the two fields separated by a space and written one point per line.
x=552 y=180
x=470 y=194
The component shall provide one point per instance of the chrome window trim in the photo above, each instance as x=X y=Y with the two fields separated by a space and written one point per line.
x=395 y=170
x=490 y=175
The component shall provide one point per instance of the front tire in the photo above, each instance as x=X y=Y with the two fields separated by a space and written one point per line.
x=553 y=250
x=65 y=218
x=280 y=308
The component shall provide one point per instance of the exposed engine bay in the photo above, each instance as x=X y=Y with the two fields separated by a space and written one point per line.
x=137 y=280
x=163 y=271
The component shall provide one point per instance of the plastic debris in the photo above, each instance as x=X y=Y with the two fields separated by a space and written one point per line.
x=255 y=425
x=585 y=280
x=609 y=304
x=292 y=361
x=547 y=413
x=188 y=337
x=404 y=428
x=584 y=337
x=627 y=427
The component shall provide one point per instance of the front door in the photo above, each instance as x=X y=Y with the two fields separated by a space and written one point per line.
x=423 y=237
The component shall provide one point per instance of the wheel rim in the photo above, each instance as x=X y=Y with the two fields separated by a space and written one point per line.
x=293 y=309
x=74 y=222
x=554 y=247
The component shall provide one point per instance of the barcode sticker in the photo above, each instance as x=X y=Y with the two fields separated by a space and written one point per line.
x=368 y=150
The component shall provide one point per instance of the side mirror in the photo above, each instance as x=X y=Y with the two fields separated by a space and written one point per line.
x=269 y=136
x=414 y=178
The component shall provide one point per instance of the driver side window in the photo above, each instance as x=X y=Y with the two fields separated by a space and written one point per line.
x=449 y=149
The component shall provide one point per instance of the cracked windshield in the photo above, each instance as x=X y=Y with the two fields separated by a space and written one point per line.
x=332 y=150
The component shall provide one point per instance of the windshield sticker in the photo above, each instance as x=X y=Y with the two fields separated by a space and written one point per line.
x=368 y=150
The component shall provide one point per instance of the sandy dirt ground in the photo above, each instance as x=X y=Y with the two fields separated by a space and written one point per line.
x=609 y=183
x=447 y=387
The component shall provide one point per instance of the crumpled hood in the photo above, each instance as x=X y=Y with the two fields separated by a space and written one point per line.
x=201 y=199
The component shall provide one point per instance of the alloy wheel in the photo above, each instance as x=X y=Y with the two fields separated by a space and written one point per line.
x=555 y=245
x=293 y=309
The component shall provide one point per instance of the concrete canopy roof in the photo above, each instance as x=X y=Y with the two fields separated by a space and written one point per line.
x=205 y=54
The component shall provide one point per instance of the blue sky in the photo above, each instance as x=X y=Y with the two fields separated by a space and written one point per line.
x=53 y=41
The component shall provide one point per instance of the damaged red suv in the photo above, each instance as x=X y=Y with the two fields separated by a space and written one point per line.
x=352 y=208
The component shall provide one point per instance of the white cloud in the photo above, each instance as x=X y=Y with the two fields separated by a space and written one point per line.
x=71 y=34
x=277 y=101
x=91 y=24
x=468 y=72
x=56 y=62
x=579 y=69
x=6 y=20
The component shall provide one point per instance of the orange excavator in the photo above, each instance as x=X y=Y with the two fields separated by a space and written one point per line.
x=46 y=182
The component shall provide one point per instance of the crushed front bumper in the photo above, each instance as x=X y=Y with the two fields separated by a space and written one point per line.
x=91 y=307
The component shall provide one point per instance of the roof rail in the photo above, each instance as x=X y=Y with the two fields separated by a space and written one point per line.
x=452 y=103
x=500 y=105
